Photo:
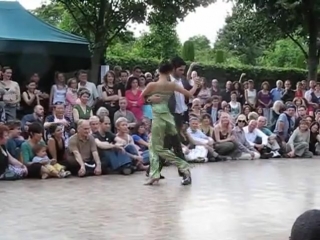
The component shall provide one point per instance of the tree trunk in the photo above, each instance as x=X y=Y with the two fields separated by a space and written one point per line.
x=96 y=58
x=313 y=63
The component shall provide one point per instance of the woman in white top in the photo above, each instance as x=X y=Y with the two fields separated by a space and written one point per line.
x=58 y=90
x=12 y=95
x=250 y=95
x=235 y=106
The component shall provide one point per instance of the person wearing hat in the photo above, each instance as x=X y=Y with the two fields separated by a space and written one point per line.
x=246 y=151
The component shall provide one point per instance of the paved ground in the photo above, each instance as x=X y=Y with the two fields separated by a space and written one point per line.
x=227 y=201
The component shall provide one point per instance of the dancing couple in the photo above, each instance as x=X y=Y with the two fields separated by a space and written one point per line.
x=163 y=124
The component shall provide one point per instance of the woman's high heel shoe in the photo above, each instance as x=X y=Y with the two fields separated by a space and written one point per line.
x=152 y=181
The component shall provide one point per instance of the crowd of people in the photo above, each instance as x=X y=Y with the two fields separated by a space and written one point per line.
x=82 y=129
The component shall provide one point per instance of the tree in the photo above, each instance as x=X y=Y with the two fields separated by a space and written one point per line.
x=200 y=42
x=293 y=18
x=161 y=42
x=188 y=51
x=52 y=13
x=101 y=21
x=284 y=53
x=241 y=35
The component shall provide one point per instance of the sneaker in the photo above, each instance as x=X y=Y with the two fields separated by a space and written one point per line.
x=64 y=174
x=127 y=171
x=186 y=179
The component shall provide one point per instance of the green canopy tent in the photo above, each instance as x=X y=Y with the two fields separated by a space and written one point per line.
x=30 y=45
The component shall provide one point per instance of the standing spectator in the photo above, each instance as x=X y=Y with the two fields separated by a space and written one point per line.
x=235 y=106
x=204 y=93
x=122 y=84
x=71 y=97
x=315 y=97
x=146 y=108
x=239 y=91
x=288 y=93
x=134 y=99
x=265 y=101
x=136 y=72
x=276 y=93
x=215 y=91
x=110 y=94
x=58 y=90
x=299 y=92
x=250 y=95
x=30 y=98
x=226 y=94
x=12 y=95
x=82 y=77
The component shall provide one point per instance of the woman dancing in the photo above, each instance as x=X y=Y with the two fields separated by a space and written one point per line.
x=163 y=124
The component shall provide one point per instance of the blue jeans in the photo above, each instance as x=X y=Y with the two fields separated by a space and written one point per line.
x=114 y=159
x=133 y=150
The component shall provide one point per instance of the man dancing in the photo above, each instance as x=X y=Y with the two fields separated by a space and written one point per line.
x=178 y=107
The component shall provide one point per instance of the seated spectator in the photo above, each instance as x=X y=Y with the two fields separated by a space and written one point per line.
x=140 y=137
x=285 y=125
x=10 y=168
x=133 y=96
x=298 y=144
x=302 y=113
x=225 y=143
x=83 y=158
x=192 y=151
x=35 y=117
x=272 y=138
x=197 y=138
x=82 y=111
x=140 y=158
x=102 y=112
x=15 y=139
x=206 y=125
x=314 y=145
x=123 y=112
x=213 y=108
x=112 y=155
x=276 y=110
x=196 y=110
x=246 y=110
x=35 y=132
x=246 y=151
x=257 y=139
x=53 y=169
x=56 y=143
x=58 y=117
x=147 y=124
x=94 y=124
x=253 y=116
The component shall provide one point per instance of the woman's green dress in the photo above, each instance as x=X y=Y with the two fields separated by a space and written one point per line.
x=162 y=125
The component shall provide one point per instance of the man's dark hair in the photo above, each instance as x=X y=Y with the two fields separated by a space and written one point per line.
x=178 y=62
x=35 y=128
x=306 y=226
x=123 y=71
x=136 y=67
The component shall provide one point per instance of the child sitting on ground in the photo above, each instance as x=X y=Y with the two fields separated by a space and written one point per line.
x=53 y=168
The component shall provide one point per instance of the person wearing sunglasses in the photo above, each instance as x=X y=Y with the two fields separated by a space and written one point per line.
x=246 y=151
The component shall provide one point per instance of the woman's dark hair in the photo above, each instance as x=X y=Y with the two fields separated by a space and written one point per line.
x=83 y=91
x=129 y=82
x=205 y=83
x=35 y=128
x=106 y=75
x=52 y=128
x=4 y=69
x=137 y=126
x=165 y=67
x=235 y=83
x=315 y=123
x=177 y=62
x=206 y=116
x=145 y=80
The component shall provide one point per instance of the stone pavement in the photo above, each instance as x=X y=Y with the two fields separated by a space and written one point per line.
x=245 y=200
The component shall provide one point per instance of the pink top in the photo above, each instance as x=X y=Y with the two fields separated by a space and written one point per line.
x=71 y=98
x=135 y=103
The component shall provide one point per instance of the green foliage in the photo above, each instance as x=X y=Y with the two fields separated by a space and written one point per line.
x=188 y=51
x=223 y=72
x=284 y=53
x=220 y=56
x=161 y=42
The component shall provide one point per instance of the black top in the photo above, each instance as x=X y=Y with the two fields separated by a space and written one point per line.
x=111 y=91
x=122 y=87
x=4 y=160
x=107 y=137
x=27 y=109
x=60 y=150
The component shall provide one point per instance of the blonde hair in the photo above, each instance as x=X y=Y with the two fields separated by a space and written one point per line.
x=277 y=105
x=120 y=120
x=253 y=116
